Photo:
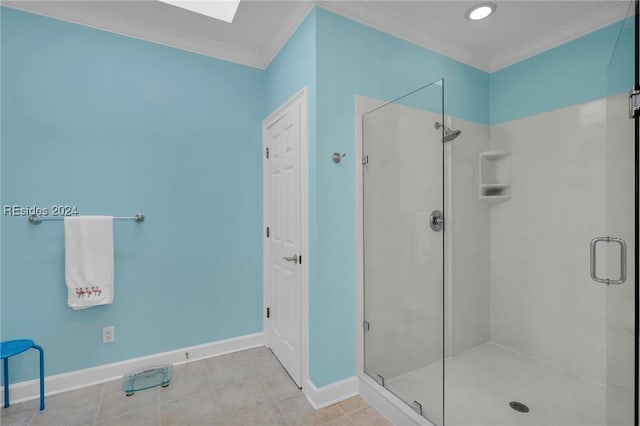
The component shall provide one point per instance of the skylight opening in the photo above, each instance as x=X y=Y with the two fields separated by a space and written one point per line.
x=223 y=10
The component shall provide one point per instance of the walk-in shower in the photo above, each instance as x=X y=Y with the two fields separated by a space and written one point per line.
x=493 y=319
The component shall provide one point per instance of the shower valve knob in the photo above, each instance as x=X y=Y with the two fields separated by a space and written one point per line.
x=436 y=220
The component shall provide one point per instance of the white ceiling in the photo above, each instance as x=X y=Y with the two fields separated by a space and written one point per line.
x=517 y=30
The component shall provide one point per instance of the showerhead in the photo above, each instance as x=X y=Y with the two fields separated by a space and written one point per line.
x=449 y=134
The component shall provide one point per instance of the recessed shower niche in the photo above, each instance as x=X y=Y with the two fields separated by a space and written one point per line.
x=495 y=176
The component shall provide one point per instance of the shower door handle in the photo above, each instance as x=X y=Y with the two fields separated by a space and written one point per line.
x=623 y=260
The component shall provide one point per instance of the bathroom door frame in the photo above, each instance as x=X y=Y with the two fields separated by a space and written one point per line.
x=301 y=96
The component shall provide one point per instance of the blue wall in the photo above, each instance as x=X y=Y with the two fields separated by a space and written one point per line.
x=294 y=67
x=566 y=75
x=118 y=126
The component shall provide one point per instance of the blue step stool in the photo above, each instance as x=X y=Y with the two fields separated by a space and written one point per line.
x=15 y=347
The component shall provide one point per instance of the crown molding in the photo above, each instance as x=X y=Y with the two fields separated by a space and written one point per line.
x=77 y=13
x=370 y=14
x=284 y=33
x=590 y=23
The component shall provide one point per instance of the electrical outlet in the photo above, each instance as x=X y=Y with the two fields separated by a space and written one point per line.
x=108 y=334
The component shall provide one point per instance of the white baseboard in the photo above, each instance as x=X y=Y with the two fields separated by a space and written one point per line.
x=330 y=394
x=27 y=390
x=390 y=406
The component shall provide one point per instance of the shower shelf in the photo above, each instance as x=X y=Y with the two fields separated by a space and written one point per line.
x=495 y=176
x=494 y=155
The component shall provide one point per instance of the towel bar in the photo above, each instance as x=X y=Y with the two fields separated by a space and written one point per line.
x=38 y=219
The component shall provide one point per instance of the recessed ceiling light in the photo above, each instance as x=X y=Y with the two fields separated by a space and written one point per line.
x=224 y=10
x=480 y=11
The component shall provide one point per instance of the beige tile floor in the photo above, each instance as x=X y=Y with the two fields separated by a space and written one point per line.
x=244 y=388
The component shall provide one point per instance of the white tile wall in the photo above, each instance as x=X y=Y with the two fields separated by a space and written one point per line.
x=467 y=244
x=543 y=302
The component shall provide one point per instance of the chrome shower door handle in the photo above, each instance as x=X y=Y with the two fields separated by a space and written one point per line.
x=623 y=260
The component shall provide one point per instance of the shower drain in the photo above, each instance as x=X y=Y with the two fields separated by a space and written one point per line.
x=519 y=407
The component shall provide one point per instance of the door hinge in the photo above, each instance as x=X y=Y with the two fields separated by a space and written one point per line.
x=268 y=312
x=365 y=159
x=634 y=102
x=366 y=325
x=268 y=233
x=267 y=153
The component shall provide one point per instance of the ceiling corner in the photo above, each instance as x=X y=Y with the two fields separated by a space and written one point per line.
x=283 y=33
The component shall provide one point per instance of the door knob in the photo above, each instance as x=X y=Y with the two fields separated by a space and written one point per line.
x=293 y=259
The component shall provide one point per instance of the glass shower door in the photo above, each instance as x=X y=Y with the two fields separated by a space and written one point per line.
x=619 y=252
x=403 y=253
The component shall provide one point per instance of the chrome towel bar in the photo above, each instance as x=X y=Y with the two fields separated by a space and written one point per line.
x=38 y=219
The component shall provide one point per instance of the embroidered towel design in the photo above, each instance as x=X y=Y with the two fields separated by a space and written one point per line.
x=88 y=256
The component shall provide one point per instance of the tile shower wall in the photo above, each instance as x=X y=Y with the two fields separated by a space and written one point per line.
x=118 y=126
x=550 y=112
x=467 y=243
x=543 y=301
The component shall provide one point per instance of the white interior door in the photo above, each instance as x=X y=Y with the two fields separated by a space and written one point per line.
x=282 y=138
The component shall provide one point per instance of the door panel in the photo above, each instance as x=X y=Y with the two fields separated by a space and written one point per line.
x=403 y=256
x=283 y=203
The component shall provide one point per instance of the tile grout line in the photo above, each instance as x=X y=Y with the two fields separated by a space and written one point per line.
x=33 y=416
x=95 y=417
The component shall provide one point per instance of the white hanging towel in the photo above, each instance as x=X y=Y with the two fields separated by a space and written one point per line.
x=88 y=258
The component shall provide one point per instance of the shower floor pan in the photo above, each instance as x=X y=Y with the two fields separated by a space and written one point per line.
x=481 y=382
